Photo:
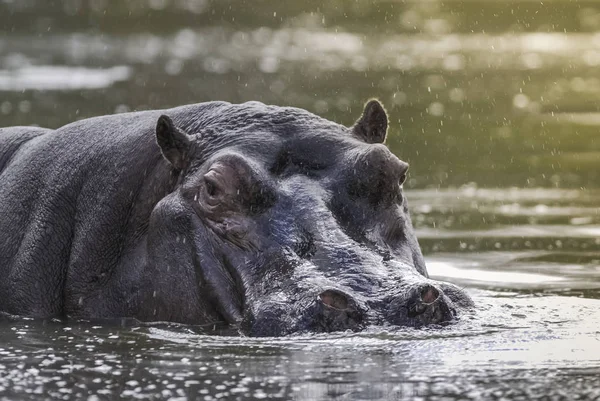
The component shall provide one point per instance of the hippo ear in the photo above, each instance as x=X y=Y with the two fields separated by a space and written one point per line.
x=174 y=143
x=372 y=126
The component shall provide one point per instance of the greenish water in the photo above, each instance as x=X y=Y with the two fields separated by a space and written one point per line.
x=495 y=104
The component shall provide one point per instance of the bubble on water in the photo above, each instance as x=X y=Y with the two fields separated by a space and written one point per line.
x=25 y=106
x=404 y=62
x=521 y=101
x=399 y=98
x=343 y=104
x=531 y=60
x=321 y=106
x=261 y=35
x=6 y=107
x=216 y=65
x=578 y=84
x=269 y=64
x=260 y=394
x=579 y=221
x=185 y=44
x=174 y=66
x=436 y=109
x=454 y=62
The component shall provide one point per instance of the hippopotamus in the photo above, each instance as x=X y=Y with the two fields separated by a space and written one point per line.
x=269 y=219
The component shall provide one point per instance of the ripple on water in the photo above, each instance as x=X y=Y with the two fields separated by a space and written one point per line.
x=516 y=343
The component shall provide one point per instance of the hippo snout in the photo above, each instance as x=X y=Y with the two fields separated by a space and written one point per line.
x=419 y=305
x=332 y=309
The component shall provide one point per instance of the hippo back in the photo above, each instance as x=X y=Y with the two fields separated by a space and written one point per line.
x=12 y=138
x=74 y=202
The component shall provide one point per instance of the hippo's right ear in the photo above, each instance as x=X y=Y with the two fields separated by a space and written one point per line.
x=372 y=126
x=173 y=142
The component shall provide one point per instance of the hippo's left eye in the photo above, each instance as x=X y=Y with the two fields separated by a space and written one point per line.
x=231 y=184
x=215 y=186
x=211 y=186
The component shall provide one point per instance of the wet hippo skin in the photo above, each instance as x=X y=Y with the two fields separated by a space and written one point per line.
x=269 y=218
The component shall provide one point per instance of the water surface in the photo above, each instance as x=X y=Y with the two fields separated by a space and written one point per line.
x=495 y=104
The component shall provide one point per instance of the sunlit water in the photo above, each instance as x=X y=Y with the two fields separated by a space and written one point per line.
x=494 y=104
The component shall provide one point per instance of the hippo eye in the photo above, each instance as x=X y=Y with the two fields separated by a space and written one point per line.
x=211 y=188
x=212 y=184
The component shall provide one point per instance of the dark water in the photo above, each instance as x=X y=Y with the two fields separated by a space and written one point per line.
x=494 y=103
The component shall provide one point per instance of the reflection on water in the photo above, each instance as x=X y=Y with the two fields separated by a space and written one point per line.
x=482 y=95
x=446 y=270
x=60 y=78
x=526 y=347
x=544 y=240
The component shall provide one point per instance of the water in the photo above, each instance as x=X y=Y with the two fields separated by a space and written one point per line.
x=494 y=104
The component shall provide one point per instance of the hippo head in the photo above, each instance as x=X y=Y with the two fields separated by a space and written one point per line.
x=298 y=223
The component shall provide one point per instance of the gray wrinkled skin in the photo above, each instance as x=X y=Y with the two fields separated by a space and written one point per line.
x=265 y=217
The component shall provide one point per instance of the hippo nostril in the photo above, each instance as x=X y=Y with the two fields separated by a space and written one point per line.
x=421 y=304
x=429 y=294
x=334 y=299
x=424 y=302
x=337 y=311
